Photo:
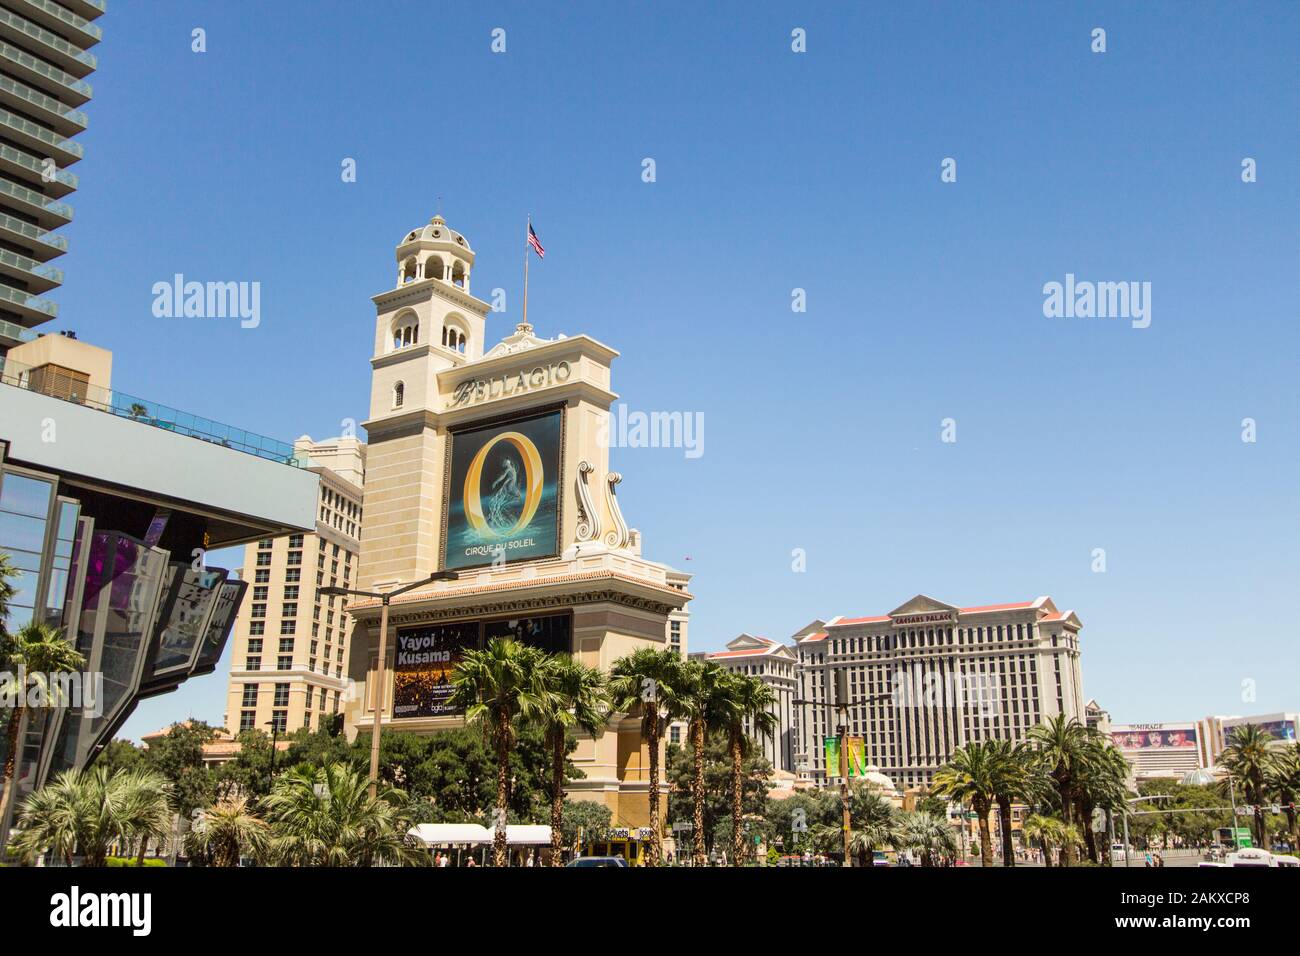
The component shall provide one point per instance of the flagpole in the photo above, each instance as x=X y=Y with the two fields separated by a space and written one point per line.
x=523 y=326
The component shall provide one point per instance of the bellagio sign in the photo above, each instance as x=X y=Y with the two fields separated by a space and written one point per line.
x=516 y=383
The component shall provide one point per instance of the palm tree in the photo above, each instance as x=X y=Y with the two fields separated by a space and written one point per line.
x=1064 y=745
x=1249 y=760
x=874 y=823
x=1285 y=782
x=494 y=686
x=1099 y=784
x=326 y=817
x=928 y=834
x=145 y=809
x=7 y=571
x=753 y=703
x=970 y=776
x=1016 y=779
x=37 y=651
x=647 y=681
x=576 y=699
x=226 y=831
x=1044 y=830
x=80 y=810
x=707 y=702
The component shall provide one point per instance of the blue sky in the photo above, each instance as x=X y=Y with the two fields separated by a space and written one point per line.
x=776 y=171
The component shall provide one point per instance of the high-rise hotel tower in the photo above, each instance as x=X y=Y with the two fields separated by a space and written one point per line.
x=44 y=63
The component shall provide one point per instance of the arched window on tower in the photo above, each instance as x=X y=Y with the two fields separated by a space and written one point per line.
x=399 y=395
x=458 y=274
x=453 y=338
x=408 y=270
x=433 y=268
x=406 y=331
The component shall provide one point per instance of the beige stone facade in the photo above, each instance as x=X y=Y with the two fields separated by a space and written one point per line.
x=289 y=654
x=433 y=376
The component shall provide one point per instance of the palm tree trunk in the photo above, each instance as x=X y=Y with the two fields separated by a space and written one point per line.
x=1047 y=851
x=144 y=845
x=1089 y=836
x=737 y=805
x=986 y=838
x=502 y=735
x=1067 y=815
x=1004 y=823
x=11 y=758
x=657 y=838
x=557 y=794
x=697 y=788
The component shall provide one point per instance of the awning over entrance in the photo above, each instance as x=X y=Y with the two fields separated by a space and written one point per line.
x=461 y=834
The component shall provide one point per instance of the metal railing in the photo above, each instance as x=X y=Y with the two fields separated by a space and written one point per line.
x=136 y=409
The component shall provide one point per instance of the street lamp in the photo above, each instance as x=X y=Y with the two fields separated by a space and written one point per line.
x=385 y=597
x=275 y=733
x=842 y=705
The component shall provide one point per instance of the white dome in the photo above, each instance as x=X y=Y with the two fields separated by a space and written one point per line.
x=438 y=232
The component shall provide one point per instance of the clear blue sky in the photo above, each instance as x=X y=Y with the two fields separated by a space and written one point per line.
x=777 y=170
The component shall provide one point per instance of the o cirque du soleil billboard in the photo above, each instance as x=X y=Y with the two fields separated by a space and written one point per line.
x=503 y=492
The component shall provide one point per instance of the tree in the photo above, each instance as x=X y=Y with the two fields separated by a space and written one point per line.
x=1249 y=760
x=753 y=703
x=145 y=811
x=1064 y=745
x=1284 y=780
x=719 y=802
x=575 y=699
x=970 y=776
x=584 y=820
x=121 y=755
x=494 y=686
x=326 y=817
x=225 y=832
x=1047 y=831
x=1099 y=784
x=37 y=652
x=178 y=757
x=707 y=703
x=1016 y=777
x=647 y=682
x=928 y=834
x=81 y=810
x=874 y=823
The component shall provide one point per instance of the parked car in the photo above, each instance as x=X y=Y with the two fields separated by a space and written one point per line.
x=615 y=861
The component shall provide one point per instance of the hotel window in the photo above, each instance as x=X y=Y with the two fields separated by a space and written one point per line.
x=286 y=645
x=259 y=594
x=261 y=576
x=247 y=720
x=281 y=695
x=675 y=734
x=259 y=610
x=256 y=627
x=399 y=395
x=263 y=558
x=291 y=593
x=255 y=646
x=295 y=558
x=288 y=627
x=310 y=691
x=279 y=721
x=289 y=609
x=250 y=695
x=265 y=543
x=295 y=541
x=284 y=663
x=293 y=575
x=253 y=664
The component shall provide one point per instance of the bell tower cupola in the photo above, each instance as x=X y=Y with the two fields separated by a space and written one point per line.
x=428 y=323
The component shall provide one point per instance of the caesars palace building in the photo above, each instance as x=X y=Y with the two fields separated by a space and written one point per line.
x=927 y=678
x=493 y=464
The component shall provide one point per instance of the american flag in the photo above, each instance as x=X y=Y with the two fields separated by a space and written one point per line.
x=532 y=241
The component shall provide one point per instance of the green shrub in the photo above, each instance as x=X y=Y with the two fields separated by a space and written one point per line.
x=125 y=861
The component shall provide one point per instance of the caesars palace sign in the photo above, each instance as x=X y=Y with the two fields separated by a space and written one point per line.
x=477 y=390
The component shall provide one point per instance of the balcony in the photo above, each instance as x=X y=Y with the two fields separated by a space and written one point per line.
x=26 y=167
x=60 y=19
x=31 y=69
x=49 y=213
x=132 y=408
x=58 y=116
x=35 y=136
x=50 y=46
x=43 y=245
x=12 y=334
x=35 y=276
x=27 y=305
